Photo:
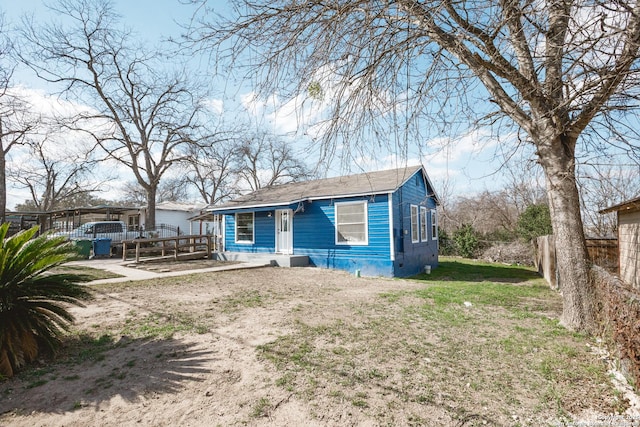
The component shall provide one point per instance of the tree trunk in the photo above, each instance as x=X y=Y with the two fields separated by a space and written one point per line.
x=558 y=161
x=150 y=219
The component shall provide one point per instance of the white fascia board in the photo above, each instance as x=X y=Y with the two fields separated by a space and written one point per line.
x=263 y=205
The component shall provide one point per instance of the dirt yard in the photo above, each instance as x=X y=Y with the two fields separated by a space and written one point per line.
x=288 y=347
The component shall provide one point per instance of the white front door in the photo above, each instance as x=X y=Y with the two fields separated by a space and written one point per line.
x=284 y=232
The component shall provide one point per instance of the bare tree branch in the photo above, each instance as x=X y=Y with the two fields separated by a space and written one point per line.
x=141 y=116
x=558 y=74
x=16 y=121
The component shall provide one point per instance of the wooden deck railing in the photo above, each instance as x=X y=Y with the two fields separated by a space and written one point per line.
x=178 y=247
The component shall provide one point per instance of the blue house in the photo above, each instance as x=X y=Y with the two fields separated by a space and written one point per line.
x=378 y=223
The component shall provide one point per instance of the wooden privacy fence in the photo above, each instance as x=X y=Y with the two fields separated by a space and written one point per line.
x=602 y=252
x=544 y=249
x=178 y=247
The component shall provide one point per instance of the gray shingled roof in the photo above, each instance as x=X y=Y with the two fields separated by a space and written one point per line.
x=352 y=185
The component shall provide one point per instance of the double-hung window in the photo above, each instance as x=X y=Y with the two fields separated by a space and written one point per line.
x=434 y=225
x=351 y=223
x=414 y=224
x=244 y=227
x=423 y=224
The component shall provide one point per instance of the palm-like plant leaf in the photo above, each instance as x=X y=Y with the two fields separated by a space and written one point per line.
x=34 y=301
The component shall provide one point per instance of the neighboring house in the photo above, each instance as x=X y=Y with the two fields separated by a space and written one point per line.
x=378 y=224
x=628 y=240
x=177 y=215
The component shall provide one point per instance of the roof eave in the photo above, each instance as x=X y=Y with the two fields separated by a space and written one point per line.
x=628 y=205
x=253 y=206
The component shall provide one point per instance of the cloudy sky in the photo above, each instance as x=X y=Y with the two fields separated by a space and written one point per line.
x=468 y=166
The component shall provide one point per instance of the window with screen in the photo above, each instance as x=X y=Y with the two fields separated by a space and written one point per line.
x=244 y=227
x=351 y=223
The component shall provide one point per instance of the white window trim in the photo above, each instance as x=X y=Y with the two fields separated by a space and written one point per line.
x=366 y=223
x=434 y=225
x=424 y=229
x=414 y=208
x=253 y=226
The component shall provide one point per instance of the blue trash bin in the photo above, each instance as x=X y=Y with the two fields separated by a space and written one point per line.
x=102 y=247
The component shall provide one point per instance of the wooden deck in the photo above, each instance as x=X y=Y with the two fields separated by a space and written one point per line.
x=175 y=248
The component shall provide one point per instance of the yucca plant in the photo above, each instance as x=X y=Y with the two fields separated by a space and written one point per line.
x=33 y=300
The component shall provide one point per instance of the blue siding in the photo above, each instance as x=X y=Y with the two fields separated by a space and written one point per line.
x=314 y=236
x=412 y=257
x=264 y=239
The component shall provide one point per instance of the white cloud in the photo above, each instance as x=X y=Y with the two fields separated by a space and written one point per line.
x=214 y=105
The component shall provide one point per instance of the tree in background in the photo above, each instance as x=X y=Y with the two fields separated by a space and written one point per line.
x=446 y=245
x=466 y=242
x=262 y=160
x=169 y=190
x=211 y=170
x=556 y=76
x=491 y=214
x=54 y=172
x=15 y=119
x=78 y=200
x=143 y=116
x=534 y=222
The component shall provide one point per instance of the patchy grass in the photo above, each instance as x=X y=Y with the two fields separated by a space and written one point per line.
x=261 y=408
x=243 y=299
x=477 y=334
x=161 y=325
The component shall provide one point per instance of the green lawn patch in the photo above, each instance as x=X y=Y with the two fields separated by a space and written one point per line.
x=89 y=272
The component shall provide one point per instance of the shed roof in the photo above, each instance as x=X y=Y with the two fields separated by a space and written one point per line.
x=380 y=182
x=627 y=205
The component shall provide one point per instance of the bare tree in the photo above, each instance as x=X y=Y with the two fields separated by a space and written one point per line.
x=556 y=75
x=81 y=199
x=134 y=195
x=263 y=160
x=211 y=170
x=143 y=116
x=55 y=173
x=524 y=184
x=174 y=189
x=15 y=120
x=492 y=214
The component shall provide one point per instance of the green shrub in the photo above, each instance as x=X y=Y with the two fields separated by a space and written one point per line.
x=446 y=245
x=33 y=311
x=535 y=221
x=466 y=241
